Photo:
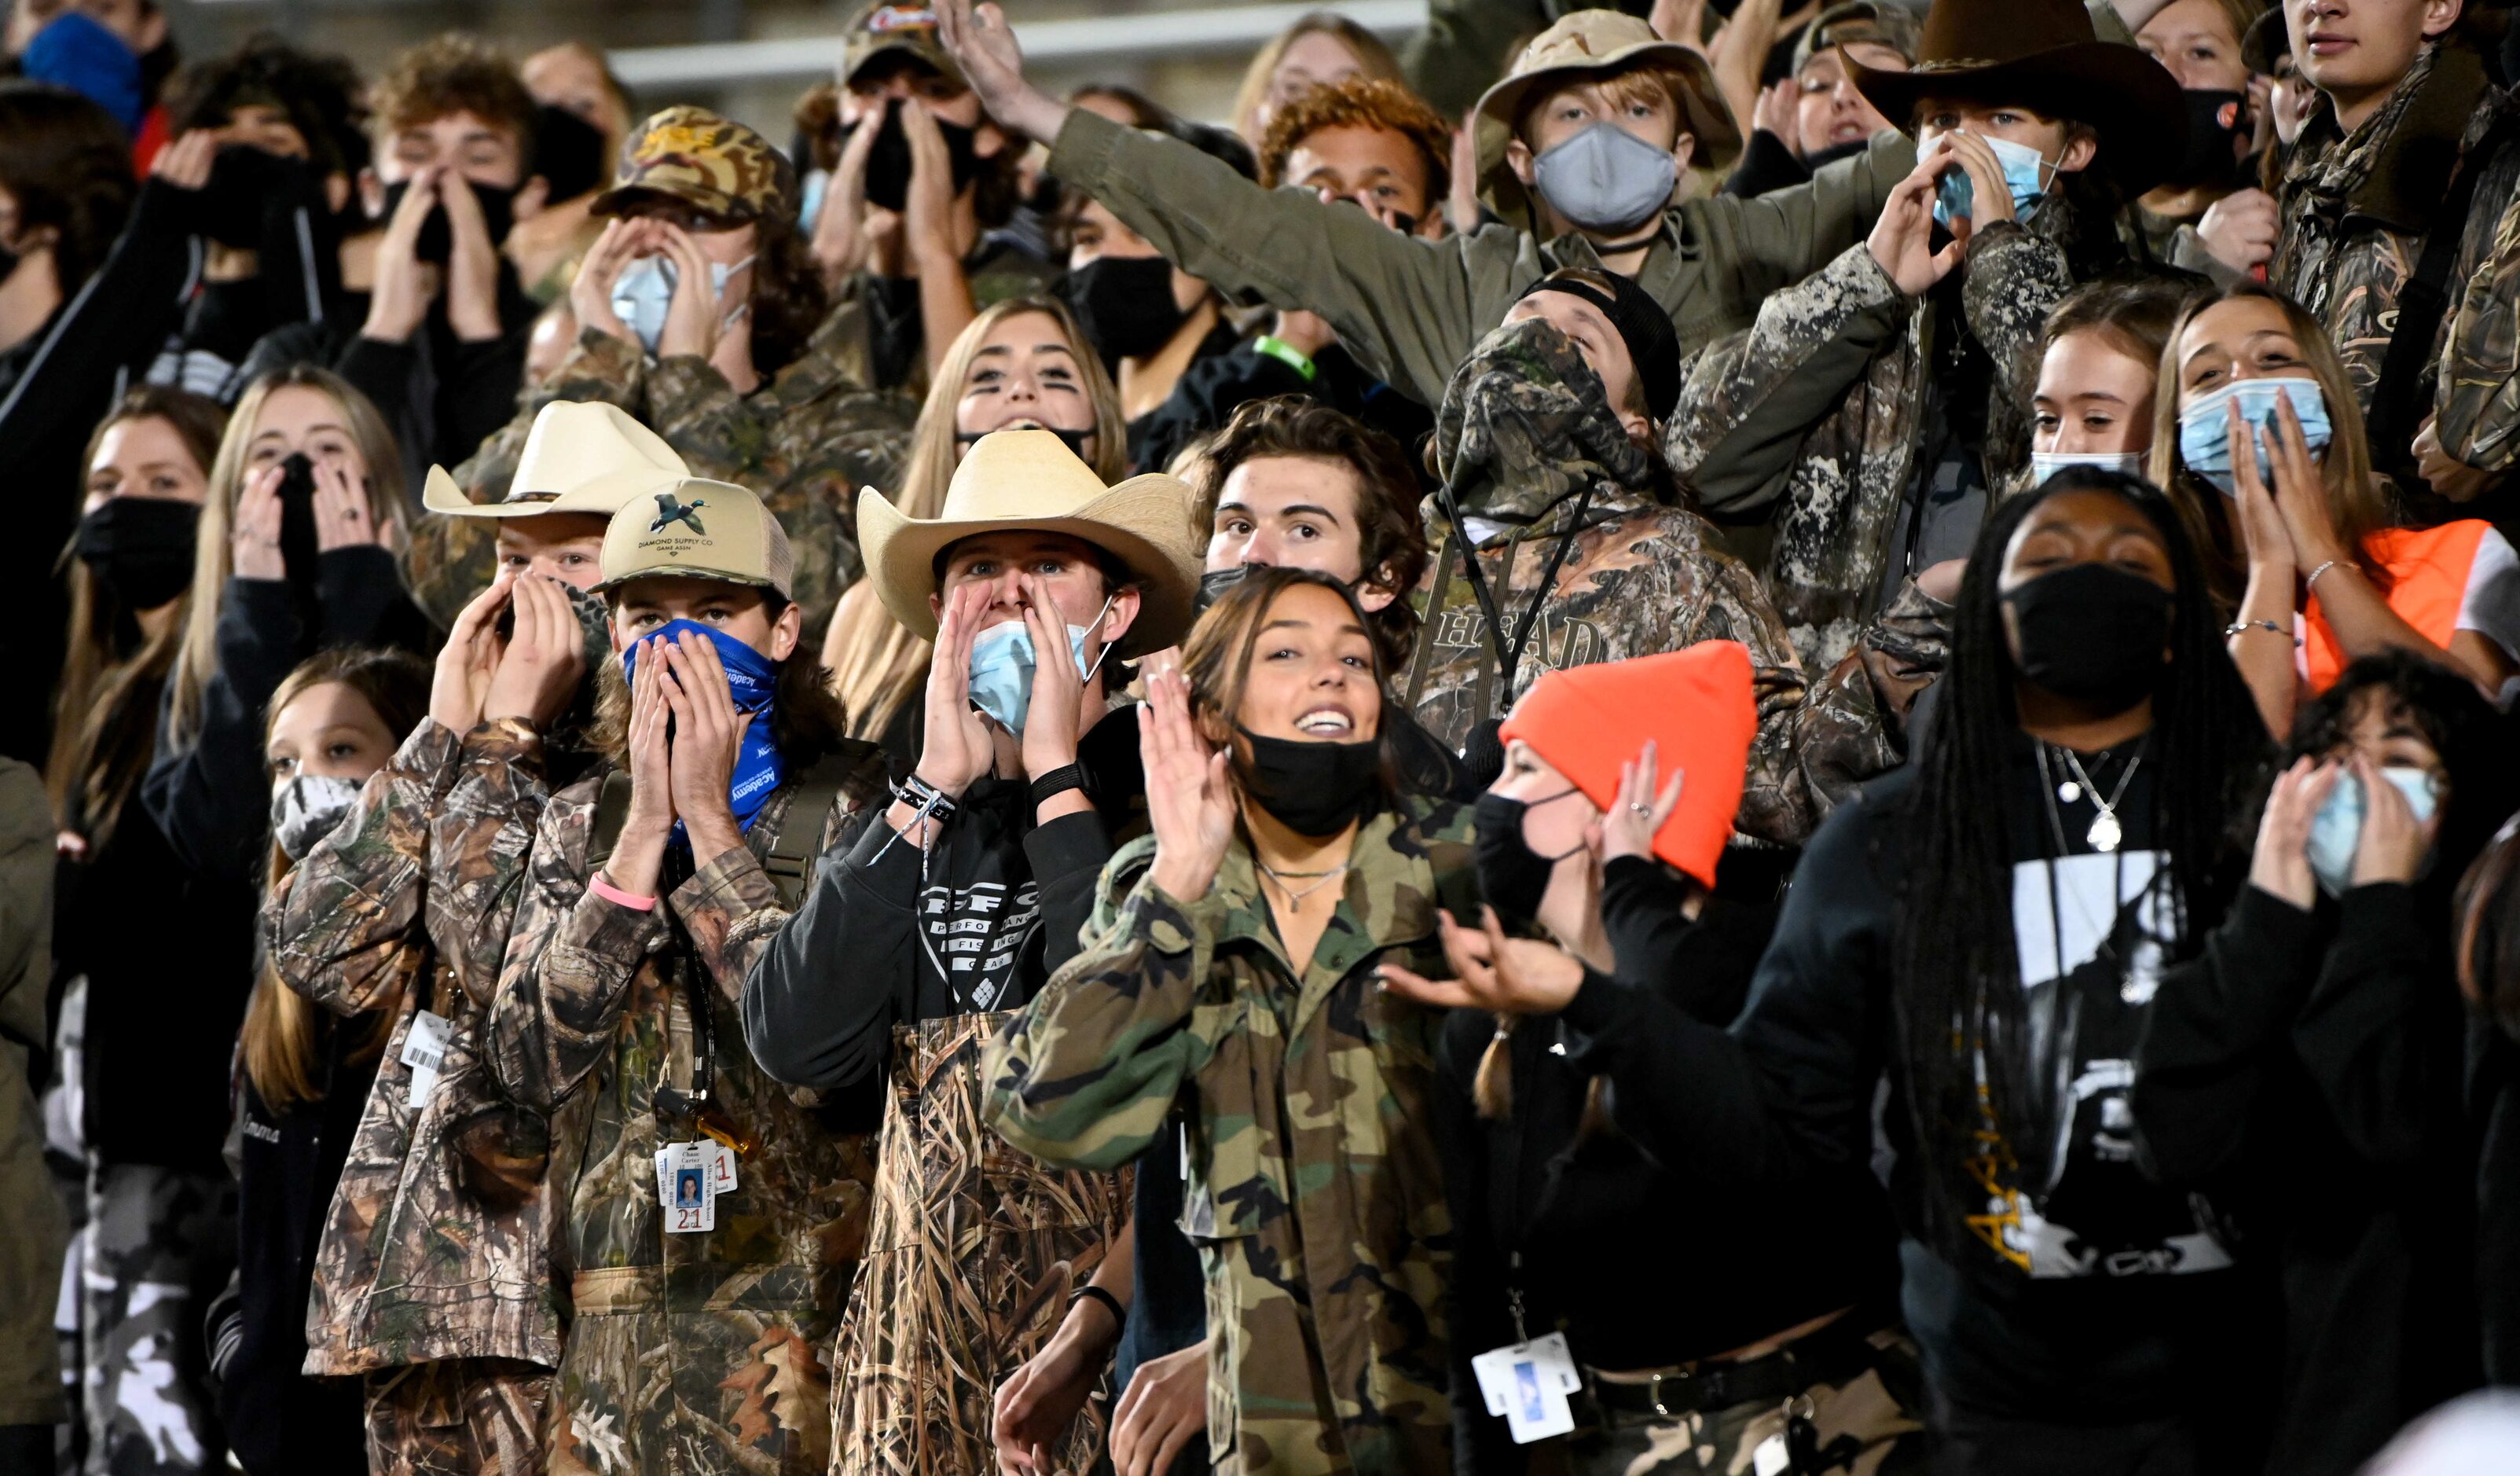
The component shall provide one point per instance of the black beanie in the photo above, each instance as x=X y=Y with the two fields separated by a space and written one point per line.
x=1642 y=323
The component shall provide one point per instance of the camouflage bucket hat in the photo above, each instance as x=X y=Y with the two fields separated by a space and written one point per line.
x=883 y=30
x=1526 y=425
x=712 y=164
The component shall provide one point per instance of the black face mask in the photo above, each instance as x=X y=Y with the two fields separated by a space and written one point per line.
x=141 y=548
x=887 y=169
x=1124 y=303
x=436 y=237
x=1313 y=789
x=2216 y=123
x=1512 y=877
x=1215 y=584
x=1833 y=152
x=2093 y=634
x=568 y=152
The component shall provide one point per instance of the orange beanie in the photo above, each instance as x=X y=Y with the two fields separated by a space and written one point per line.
x=1693 y=703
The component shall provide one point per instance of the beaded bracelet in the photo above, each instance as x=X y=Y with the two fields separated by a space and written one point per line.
x=2236 y=626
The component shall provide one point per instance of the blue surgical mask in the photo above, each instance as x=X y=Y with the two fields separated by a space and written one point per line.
x=752 y=680
x=2205 y=426
x=1606 y=178
x=2046 y=464
x=2338 y=831
x=645 y=288
x=1001 y=667
x=2026 y=171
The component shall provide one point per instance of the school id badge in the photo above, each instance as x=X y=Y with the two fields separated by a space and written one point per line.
x=1528 y=1383
x=690 y=1177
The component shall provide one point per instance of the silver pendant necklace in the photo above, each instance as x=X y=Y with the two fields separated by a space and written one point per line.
x=2106 y=834
x=1294 y=896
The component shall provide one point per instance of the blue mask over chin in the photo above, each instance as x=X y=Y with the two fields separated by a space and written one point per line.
x=752 y=679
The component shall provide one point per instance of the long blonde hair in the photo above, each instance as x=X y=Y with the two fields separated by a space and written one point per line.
x=198 y=657
x=283 y=1041
x=876 y=662
x=1373 y=56
x=2357 y=502
x=105 y=710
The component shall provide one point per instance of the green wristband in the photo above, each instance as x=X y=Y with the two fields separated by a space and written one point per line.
x=1287 y=354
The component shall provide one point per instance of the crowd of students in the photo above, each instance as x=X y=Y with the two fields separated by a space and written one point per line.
x=1757 y=742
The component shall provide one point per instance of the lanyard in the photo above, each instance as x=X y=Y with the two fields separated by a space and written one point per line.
x=1508 y=649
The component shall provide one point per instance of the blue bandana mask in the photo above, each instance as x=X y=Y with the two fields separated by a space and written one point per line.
x=2338 y=831
x=2023 y=168
x=752 y=679
x=2046 y=464
x=2205 y=427
x=645 y=288
x=1605 y=178
x=1001 y=667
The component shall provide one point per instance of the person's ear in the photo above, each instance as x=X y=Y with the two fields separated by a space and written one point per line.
x=2081 y=146
x=1375 y=593
x=787 y=630
x=372 y=196
x=1518 y=158
x=613 y=631
x=988 y=140
x=336 y=192
x=1682 y=150
x=1638 y=426
x=2440 y=16
x=530 y=200
x=1126 y=602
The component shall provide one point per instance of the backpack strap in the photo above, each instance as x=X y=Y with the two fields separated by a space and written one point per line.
x=611 y=808
x=2407 y=369
x=798 y=843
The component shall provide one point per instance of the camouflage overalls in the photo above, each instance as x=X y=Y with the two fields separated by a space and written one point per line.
x=434 y=1279
x=689 y=1352
x=1532 y=449
x=1315 y=1192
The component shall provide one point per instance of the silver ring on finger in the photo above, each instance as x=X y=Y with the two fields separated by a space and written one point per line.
x=1645 y=810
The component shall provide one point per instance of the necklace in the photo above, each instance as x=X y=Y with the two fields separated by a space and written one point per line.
x=1294 y=895
x=2106 y=831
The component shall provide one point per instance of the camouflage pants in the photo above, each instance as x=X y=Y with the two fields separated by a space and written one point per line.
x=710 y=1392
x=1877 y=1411
x=456 y=1417
x=159 y=1243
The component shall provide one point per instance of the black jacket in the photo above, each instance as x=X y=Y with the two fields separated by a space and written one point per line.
x=2324 y=1055
x=1007 y=895
x=1212 y=388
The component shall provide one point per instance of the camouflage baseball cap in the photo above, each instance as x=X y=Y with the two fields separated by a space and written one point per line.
x=698 y=529
x=712 y=164
x=887 y=29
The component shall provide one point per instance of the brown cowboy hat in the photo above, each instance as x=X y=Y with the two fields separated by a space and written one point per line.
x=2042 y=55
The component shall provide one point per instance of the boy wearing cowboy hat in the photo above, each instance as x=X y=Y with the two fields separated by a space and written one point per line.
x=1870 y=408
x=932 y=923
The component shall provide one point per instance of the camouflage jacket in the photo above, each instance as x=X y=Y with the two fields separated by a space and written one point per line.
x=2354 y=211
x=696 y=1351
x=1315 y=1192
x=438 y=1240
x=1818 y=413
x=806 y=440
x=1528 y=440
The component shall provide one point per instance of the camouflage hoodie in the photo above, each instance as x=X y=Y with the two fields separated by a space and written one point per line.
x=2353 y=212
x=1313 y=1191
x=695 y=1353
x=1535 y=459
x=806 y=440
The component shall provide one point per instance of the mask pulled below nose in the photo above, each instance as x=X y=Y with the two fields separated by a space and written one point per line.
x=1003 y=660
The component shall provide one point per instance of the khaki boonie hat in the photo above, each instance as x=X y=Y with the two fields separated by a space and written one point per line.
x=1030 y=480
x=1860 y=23
x=1593 y=41
x=700 y=529
x=712 y=164
x=579 y=457
x=885 y=30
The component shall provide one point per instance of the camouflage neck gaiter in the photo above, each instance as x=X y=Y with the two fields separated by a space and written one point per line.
x=1525 y=426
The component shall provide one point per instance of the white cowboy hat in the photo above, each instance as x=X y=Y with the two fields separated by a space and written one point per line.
x=579 y=457
x=1030 y=480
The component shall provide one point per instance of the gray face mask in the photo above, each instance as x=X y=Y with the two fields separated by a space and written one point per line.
x=1606 y=178
x=307 y=808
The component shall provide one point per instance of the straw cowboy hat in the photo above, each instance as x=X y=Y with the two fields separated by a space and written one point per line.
x=587 y=457
x=1593 y=42
x=1029 y=479
x=2042 y=55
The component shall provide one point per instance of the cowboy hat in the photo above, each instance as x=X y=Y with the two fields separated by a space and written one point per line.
x=1596 y=41
x=579 y=457
x=2042 y=55
x=1030 y=480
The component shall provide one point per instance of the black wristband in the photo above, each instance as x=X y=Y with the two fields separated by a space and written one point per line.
x=1110 y=1302
x=1057 y=781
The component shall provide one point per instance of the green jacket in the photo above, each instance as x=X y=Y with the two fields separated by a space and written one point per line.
x=1313 y=1189
x=1410 y=309
x=31 y=1228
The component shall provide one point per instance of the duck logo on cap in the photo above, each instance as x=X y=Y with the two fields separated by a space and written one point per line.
x=671 y=510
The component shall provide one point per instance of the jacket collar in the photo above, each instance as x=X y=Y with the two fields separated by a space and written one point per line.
x=1387 y=899
x=2395 y=168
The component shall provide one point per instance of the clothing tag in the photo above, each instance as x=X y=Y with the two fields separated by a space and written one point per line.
x=721 y=1171
x=424 y=1050
x=684 y=1187
x=1528 y=1383
x=1771 y=1457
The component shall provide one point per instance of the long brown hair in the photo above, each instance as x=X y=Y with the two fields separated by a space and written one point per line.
x=1216 y=655
x=105 y=708
x=2357 y=501
x=197 y=656
x=876 y=661
x=284 y=1037
x=1372 y=57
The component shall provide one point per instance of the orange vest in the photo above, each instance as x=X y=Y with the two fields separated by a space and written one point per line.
x=2428 y=568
